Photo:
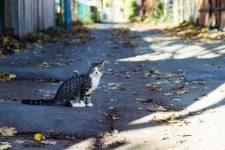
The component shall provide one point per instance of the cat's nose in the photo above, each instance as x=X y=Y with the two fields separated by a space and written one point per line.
x=96 y=72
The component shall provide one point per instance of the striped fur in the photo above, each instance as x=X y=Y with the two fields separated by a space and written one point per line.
x=79 y=86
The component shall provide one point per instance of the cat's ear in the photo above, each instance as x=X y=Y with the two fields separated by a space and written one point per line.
x=89 y=63
x=102 y=62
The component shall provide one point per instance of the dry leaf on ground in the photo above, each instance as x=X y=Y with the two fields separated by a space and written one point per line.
x=168 y=94
x=5 y=131
x=44 y=65
x=182 y=92
x=7 y=76
x=114 y=86
x=20 y=142
x=115 y=118
x=154 y=86
x=199 y=82
x=48 y=142
x=156 y=108
x=4 y=145
x=111 y=107
x=170 y=119
x=149 y=100
x=177 y=87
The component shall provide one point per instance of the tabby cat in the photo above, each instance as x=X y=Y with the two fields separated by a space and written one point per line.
x=79 y=86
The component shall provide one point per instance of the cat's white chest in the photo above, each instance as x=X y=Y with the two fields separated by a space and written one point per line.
x=95 y=82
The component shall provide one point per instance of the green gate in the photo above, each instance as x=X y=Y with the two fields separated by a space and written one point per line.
x=87 y=14
x=2 y=16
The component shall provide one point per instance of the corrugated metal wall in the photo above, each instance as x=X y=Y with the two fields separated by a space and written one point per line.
x=26 y=16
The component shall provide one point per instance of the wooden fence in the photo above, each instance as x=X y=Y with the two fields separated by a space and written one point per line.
x=185 y=10
x=212 y=13
x=209 y=13
x=26 y=16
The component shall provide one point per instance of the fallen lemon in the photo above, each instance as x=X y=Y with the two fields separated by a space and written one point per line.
x=38 y=137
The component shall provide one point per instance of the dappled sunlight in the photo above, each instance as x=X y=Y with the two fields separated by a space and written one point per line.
x=148 y=57
x=208 y=101
x=172 y=49
x=85 y=144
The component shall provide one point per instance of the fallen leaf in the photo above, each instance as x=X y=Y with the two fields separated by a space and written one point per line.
x=177 y=87
x=39 y=137
x=59 y=64
x=185 y=135
x=165 y=138
x=20 y=142
x=76 y=71
x=126 y=76
x=168 y=94
x=168 y=76
x=114 y=86
x=176 y=100
x=54 y=79
x=115 y=118
x=43 y=65
x=5 y=131
x=199 y=82
x=45 y=96
x=115 y=131
x=111 y=107
x=157 y=108
x=154 y=86
x=170 y=119
x=100 y=121
x=198 y=98
x=193 y=113
x=7 y=76
x=182 y=92
x=48 y=142
x=5 y=145
x=39 y=80
x=144 y=100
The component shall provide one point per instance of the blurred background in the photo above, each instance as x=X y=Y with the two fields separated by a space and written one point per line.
x=19 y=18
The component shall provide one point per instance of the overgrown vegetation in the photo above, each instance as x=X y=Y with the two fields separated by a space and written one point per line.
x=88 y=19
x=130 y=8
x=149 y=11
x=159 y=14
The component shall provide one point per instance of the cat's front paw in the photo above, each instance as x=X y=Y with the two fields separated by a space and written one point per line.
x=89 y=104
x=81 y=104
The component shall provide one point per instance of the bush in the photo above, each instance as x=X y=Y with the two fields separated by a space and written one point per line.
x=130 y=8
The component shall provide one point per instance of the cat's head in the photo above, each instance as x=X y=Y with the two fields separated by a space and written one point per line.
x=96 y=68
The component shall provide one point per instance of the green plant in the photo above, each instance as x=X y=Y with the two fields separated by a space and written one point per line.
x=88 y=19
x=159 y=14
x=130 y=8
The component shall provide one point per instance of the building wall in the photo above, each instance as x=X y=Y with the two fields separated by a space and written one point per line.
x=1 y=16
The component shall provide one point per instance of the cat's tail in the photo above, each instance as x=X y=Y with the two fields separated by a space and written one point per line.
x=39 y=102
